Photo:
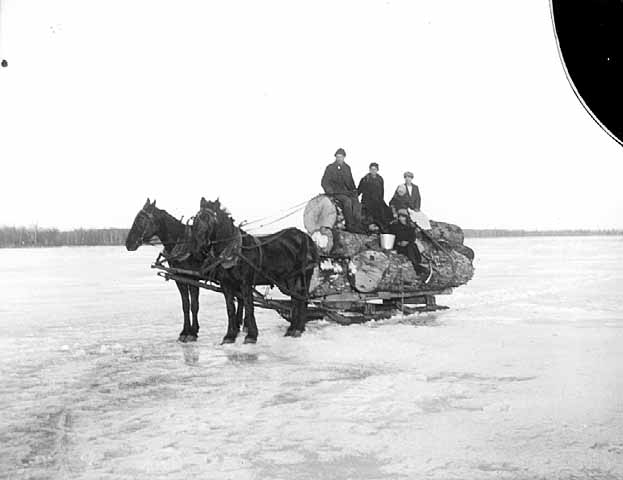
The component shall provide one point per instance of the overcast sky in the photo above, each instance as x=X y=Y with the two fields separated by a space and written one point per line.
x=105 y=103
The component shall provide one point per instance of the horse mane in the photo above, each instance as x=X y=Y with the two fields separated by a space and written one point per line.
x=160 y=212
x=171 y=224
x=221 y=212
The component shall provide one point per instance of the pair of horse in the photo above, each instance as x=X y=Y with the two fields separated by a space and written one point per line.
x=222 y=252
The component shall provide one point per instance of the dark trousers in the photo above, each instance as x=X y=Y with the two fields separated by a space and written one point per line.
x=352 y=211
x=412 y=253
x=378 y=212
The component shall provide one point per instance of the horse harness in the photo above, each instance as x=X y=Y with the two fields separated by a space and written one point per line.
x=230 y=256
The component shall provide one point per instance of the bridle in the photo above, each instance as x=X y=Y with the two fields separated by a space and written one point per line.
x=151 y=217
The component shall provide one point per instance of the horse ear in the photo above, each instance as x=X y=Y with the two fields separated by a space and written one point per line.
x=146 y=203
x=218 y=202
x=153 y=204
x=203 y=203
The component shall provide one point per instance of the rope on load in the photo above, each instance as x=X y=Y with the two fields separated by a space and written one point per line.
x=290 y=211
x=278 y=219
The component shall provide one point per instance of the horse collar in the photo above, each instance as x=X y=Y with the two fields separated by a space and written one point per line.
x=231 y=254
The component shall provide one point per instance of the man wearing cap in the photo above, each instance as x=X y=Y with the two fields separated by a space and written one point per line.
x=407 y=195
x=405 y=240
x=338 y=182
x=372 y=190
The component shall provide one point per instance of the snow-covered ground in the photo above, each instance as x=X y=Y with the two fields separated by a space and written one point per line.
x=522 y=378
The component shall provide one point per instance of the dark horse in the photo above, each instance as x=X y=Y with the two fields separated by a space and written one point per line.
x=151 y=221
x=285 y=259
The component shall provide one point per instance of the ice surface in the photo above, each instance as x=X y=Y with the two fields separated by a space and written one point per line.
x=522 y=378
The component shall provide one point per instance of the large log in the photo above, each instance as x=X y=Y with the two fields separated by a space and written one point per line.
x=322 y=211
x=372 y=271
x=347 y=244
x=447 y=232
x=337 y=243
x=366 y=269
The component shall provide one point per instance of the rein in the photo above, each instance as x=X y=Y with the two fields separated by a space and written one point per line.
x=225 y=256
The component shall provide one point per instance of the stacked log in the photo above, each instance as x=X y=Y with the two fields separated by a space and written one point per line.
x=335 y=243
x=446 y=232
x=330 y=278
x=323 y=211
x=353 y=262
x=366 y=269
x=347 y=244
x=372 y=271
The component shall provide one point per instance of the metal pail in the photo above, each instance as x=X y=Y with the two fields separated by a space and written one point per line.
x=387 y=241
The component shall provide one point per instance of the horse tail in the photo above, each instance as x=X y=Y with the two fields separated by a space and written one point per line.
x=315 y=256
x=311 y=258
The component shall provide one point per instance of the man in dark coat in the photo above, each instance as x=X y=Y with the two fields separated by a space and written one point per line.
x=338 y=182
x=405 y=240
x=407 y=195
x=372 y=191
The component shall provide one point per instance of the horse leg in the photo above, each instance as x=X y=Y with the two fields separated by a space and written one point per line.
x=194 y=309
x=298 y=318
x=186 y=330
x=294 y=314
x=232 y=326
x=299 y=312
x=249 y=314
x=239 y=314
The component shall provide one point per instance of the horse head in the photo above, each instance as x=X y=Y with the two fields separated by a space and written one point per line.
x=211 y=225
x=204 y=225
x=144 y=227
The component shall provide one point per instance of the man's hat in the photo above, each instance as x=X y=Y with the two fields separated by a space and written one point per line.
x=403 y=211
x=340 y=151
x=374 y=164
x=408 y=174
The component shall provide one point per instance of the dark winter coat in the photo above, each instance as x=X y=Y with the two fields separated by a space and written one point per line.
x=371 y=188
x=404 y=233
x=338 y=179
x=372 y=191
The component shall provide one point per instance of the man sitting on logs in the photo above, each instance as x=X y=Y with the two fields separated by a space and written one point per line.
x=404 y=244
x=338 y=182
x=407 y=196
x=371 y=188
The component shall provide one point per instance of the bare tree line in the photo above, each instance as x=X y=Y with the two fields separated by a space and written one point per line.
x=494 y=232
x=14 y=237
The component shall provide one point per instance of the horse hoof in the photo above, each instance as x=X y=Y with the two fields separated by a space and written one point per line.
x=296 y=333
x=228 y=340
x=250 y=340
x=182 y=338
x=191 y=338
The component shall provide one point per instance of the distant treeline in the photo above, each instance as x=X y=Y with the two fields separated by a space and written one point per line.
x=471 y=233
x=13 y=237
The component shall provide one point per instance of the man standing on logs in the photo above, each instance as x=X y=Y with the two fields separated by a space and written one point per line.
x=338 y=182
x=405 y=240
x=372 y=190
